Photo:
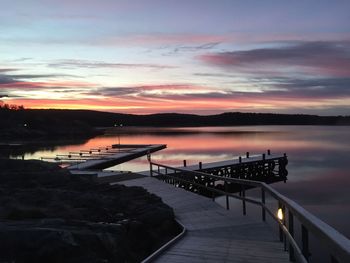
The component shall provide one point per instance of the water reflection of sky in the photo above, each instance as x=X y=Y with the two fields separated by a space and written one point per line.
x=319 y=166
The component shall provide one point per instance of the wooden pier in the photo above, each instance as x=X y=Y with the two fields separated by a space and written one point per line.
x=264 y=168
x=105 y=157
x=287 y=214
x=213 y=233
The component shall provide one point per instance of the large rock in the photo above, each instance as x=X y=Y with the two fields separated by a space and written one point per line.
x=48 y=215
x=62 y=241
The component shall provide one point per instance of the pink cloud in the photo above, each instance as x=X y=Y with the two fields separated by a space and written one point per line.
x=322 y=58
x=187 y=97
x=162 y=39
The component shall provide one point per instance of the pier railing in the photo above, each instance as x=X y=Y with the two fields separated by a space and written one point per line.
x=288 y=210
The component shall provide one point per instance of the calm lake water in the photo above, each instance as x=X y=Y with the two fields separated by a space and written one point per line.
x=319 y=159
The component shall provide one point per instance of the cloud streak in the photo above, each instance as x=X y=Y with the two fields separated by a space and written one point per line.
x=71 y=63
x=160 y=39
x=317 y=93
x=323 y=58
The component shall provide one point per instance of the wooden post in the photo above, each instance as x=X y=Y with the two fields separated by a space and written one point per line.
x=185 y=164
x=243 y=200
x=268 y=152
x=227 y=197
x=284 y=223
x=263 y=212
x=263 y=156
x=305 y=242
x=247 y=154
x=291 y=232
x=240 y=159
x=150 y=169
x=200 y=165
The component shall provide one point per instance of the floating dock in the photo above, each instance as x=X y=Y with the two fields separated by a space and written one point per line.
x=264 y=168
x=116 y=154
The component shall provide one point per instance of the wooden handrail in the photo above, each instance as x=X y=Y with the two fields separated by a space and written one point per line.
x=338 y=244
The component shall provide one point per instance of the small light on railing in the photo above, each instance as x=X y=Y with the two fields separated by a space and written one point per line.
x=280 y=214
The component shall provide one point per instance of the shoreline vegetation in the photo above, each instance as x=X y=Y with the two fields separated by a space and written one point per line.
x=49 y=215
x=22 y=124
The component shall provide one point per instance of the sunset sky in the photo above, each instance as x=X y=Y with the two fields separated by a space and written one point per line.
x=188 y=56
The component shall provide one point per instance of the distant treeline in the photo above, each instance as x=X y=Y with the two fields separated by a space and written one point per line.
x=5 y=106
x=18 y=123
x=70 y=119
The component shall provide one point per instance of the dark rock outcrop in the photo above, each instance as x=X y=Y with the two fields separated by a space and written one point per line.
x=49 y=215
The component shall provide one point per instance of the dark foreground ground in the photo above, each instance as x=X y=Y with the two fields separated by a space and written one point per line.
x=48 y=215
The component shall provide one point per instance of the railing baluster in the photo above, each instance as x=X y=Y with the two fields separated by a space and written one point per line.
x=243 y=196
x=151 y=169
x=291 y=231
x=227 y=197
x=285 y=242
x=284 y=223
x=263 y=212
x=305 y=242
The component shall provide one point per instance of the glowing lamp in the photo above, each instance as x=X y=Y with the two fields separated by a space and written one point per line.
x=280 y=214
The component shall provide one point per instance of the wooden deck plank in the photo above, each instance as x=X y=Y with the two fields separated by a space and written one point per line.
x=213 y=234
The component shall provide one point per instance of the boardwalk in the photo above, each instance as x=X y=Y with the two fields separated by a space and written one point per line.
x=213 y=234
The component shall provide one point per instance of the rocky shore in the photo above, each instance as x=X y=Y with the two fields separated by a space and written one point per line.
x=49 y=215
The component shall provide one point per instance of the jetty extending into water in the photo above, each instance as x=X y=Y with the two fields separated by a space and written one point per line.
x=214 y=234
x=287 y=214
x=104 y=157
x=268 y=168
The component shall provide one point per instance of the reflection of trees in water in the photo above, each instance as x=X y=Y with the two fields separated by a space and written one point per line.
x=30 y=147
x=166 y=131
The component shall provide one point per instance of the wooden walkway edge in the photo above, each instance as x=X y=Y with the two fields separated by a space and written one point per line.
x=213 y=233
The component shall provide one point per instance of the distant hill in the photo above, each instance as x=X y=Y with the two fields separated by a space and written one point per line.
x=70 y=119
